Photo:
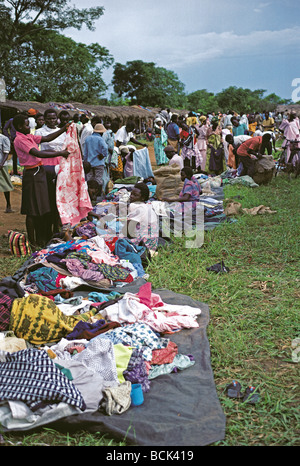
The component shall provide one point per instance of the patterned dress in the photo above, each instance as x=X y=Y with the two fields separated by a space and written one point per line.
x=72 y=197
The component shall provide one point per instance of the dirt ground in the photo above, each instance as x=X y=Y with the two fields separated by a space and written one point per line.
x=14 y=221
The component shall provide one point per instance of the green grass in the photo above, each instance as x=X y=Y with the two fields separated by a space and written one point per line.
x=254 y=313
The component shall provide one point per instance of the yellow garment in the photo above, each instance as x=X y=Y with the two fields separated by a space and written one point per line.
x=268 y=122
x=122 y=358
x=192 y=121
x=252 y=127
x=38 y=320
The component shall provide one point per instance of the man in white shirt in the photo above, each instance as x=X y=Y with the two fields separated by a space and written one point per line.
x=236 y=141
x=125 y=135
x=50 y=126
x=174 y=158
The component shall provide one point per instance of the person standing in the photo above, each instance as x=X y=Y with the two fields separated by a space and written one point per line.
x=95 y=152
x=35 y=197
x=202 y=139
x=268 y=123
x=5 y=183
x=10 y=132
x=51 y=164
x=238 y=128
x=160 y=142
x=125 y=135
x=51 y=126
x=173 y=133
x=291 y=130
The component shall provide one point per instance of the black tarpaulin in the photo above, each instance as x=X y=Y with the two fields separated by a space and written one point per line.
x=181 y=408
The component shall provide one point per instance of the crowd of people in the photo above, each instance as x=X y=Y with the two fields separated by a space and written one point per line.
x=195 y=142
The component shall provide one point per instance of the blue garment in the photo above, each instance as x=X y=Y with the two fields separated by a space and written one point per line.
x=102 y=297
x=141 y=163
x=239 y=130
x=139 y=268
x=173 y=131
x=94 y=146
x=44 y=278
x=125 y=249
x=109 y=138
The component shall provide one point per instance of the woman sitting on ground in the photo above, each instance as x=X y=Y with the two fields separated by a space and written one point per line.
x=142 y=221
x=191 y=189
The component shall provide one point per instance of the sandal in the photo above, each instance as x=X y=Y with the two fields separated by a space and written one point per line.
x=233 y=390
x=251 y=395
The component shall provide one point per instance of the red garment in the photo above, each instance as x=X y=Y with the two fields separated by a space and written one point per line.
x=165 y=355
x=148 y=298
x=111 y=243
x=253 y=143
x=72 y=197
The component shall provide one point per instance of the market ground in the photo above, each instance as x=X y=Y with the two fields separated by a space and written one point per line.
x=15 y=221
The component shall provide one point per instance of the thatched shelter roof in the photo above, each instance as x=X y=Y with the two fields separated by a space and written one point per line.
x=288 y=108
x=120 y=113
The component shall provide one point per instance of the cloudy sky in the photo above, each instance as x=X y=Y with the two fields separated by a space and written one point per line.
x=209 y=44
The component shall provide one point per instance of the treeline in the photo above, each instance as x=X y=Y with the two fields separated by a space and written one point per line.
x=39 y=63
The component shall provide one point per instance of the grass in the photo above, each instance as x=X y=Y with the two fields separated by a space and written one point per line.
x=254 y=314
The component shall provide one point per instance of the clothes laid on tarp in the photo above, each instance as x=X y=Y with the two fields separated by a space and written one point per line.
x=114 y=337
x=126 y=354
x=31 y=376
x=38 y=320
x=181 y=408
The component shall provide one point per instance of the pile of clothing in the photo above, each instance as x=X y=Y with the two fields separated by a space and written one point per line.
x=70 y=313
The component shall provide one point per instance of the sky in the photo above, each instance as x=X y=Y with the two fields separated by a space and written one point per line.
x=209 y=44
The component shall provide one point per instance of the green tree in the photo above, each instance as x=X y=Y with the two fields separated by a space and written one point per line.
x=202 y=101
x=239 y=99
x=23 y=18
x=148 y=85
x=49 y=66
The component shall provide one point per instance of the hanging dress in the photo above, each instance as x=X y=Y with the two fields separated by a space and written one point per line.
x=72 y=197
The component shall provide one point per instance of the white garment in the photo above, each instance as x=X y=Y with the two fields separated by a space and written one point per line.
x=238 y=140
x=145 y=218
x=244 y=120
x=225 y=131
x=55 y=145
x=123 y=137
x=176 y=160
x=86 y=131
x=4 y=147
x=164 y=318
x=32 y=122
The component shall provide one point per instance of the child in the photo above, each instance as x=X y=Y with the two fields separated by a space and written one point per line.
x=35 y=198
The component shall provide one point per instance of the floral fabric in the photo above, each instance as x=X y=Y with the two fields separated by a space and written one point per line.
x=72 y=197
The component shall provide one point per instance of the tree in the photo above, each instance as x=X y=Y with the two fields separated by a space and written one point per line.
x=23 y=18
x=39 y=63
x=49 y=66
x=202 y=101
x=247 y=101
x=239 y=99
x=148 y=85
